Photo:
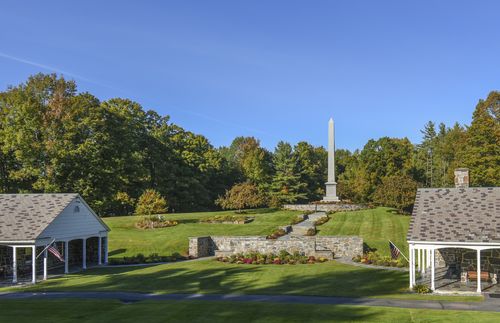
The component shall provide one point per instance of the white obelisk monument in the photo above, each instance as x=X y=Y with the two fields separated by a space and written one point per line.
x=331 y=185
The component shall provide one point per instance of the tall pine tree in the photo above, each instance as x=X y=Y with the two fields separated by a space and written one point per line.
x=286 y=186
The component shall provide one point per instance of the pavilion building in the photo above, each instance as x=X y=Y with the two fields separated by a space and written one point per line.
x=454 y=236
x=30 y=223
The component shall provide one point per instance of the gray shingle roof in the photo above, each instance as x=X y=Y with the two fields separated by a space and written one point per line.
x=456 y=215
x=25 y=216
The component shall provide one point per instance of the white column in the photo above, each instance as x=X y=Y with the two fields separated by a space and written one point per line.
x=106 y=250
x=433 y=274
x=424 y=259
x=419 y=259
x=428 y=258
x=84 y=254
x=99 y=248
x=45 y=264
x=411 y=265
x=14 y=264
x=33 y=264
x=66 y=257
x=478 y=270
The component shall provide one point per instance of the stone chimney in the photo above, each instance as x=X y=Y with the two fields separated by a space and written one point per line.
x=462 y=178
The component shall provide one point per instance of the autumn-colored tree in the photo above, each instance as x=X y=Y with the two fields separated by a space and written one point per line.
x=241 y=196
x=151 y=202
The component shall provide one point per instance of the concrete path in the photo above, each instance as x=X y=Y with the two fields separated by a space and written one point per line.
x=490 y=304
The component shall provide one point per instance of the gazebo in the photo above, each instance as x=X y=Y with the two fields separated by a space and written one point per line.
x=456 y=230
x=40 y=228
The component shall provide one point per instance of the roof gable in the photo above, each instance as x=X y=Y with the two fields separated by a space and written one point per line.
x=456 y=215
x=25 y=216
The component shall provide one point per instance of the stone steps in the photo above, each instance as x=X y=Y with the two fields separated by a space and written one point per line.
x=302 y=228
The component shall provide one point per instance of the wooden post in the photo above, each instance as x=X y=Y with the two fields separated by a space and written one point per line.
x=99 y=250
x=45 y=264
x=84 y=254
x=478 y=270
x=14 y=264
x=33 y=264
x=66 y=257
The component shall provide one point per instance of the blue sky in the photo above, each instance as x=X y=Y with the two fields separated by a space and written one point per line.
x=270 y=69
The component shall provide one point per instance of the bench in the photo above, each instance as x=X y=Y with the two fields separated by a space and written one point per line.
x=485 y=276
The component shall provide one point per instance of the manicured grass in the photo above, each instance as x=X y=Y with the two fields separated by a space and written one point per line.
x=213 y=277
x=376 y=227
x=126 y=240
x=20 y=311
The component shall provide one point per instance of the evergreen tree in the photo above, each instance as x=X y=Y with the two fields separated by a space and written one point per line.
x=482 y=152
x=286 y=186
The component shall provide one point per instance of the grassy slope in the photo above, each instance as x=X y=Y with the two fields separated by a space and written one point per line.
x=199 y=311
x=126 y=240
x=376 y=227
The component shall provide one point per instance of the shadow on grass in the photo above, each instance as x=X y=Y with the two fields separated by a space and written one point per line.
x=217 y=278
x=117 y=252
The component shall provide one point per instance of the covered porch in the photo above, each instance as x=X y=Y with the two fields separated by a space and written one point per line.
x=30 y=261
x=455 y=267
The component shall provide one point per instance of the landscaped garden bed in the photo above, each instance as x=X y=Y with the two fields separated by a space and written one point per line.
x=373 y=258
x=142 y=259
x=228 y=219
x=154 y=221
x=276 y=234
x=282 y=258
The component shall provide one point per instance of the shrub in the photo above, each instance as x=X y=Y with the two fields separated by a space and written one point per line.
x=322 y=220
x=373 y=258
x=311 y=232
x=297 y=219
x=283 y=257
x=276 y=234
x=154 y=221
x=151 y=202
x=422 y=289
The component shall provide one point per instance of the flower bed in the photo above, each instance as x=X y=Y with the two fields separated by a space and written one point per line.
x=154 y=221
x=373 y=258
x=283 y=258
x=322 y=220
x=276 y=234
x=228 y=219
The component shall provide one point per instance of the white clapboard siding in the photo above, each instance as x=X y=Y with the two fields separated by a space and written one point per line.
x=71 y=224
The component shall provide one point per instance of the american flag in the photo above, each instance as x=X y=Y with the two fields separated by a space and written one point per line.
x=395 y=252
x=53 y=250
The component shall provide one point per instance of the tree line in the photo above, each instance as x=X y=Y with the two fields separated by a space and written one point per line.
x=56 y=139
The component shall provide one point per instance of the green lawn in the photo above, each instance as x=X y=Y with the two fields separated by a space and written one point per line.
x=212 y=277
x=126 y=240
x=20 y=311
x=376 y=227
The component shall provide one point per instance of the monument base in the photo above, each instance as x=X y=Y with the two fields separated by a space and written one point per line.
x=331 y=192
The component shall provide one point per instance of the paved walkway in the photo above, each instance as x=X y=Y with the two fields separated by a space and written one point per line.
x=490 y=304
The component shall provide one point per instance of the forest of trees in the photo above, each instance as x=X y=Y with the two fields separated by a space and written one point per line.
x=56 y=139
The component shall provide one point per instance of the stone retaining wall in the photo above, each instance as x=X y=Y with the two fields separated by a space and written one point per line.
x=324 y=207
x=320 y=246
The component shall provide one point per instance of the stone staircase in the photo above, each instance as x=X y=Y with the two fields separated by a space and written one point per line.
x=303 y=227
